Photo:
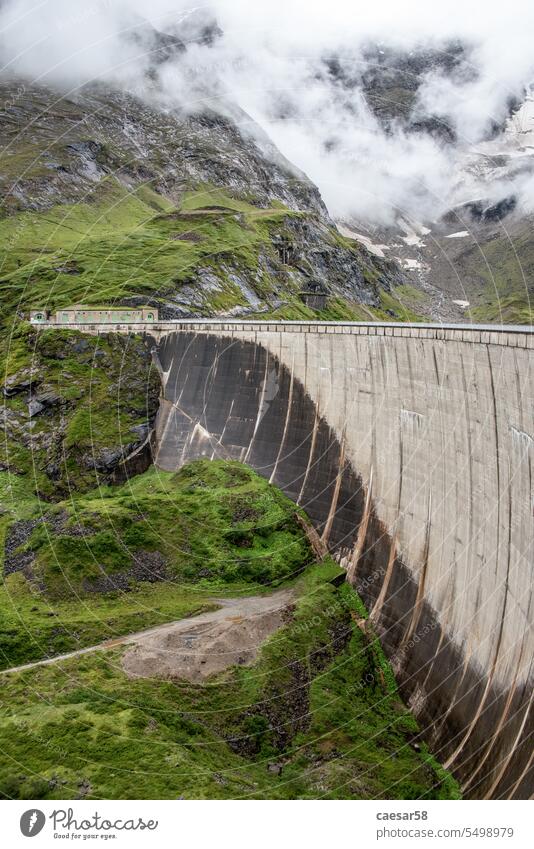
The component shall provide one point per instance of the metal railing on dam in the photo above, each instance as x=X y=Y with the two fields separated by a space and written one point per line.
x=504 y=334
x=411 y=448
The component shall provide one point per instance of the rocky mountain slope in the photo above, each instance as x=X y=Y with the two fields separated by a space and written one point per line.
x=474 y=261
x=471 y=265
x=390 y=80
x=102 y=165
x=108 y=197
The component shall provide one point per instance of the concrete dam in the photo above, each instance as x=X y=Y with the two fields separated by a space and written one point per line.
x=411 y=448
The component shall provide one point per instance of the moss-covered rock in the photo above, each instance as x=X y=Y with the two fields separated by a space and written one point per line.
x=74 y=407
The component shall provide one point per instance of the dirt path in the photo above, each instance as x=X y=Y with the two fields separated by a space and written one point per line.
x=200 y=646
x=196 y=646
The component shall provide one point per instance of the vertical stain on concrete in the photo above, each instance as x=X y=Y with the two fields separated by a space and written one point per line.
x=311 y=455
x=422 y=579
x=335 y=496
x=362 y=533
x=439 y=544
x=265 y=387
x=286 y=424
x=377 y=607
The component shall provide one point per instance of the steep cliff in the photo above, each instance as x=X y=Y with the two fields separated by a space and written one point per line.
x=106 y=196
x=109 y=198
x=471 y=259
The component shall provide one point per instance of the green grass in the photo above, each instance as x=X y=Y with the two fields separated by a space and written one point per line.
x=204 y=197
x=396 y=306
x=220 y=527
x=128 y=243
x=16 y=501
x=104 y=386
x=214 y=521
x=321 y=699
x=34 y=626
x=124 y=243
x=498 y=276
x=336 y=309
x=314 y=703
x=508 y=309
x=324 y=706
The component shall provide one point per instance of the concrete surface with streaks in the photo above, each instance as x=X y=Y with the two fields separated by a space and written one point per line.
x=411 y=447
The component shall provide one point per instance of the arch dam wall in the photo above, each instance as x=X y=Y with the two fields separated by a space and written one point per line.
x=411 y=448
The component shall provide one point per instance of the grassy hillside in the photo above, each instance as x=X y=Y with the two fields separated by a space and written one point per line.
x=318 y=714
x=502 y=269
x=73 y=407
x=121 y=559
x=210 y=254
x=185 y=213
x=123 y=244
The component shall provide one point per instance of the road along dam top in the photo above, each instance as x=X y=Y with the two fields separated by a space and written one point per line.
x=411 y=447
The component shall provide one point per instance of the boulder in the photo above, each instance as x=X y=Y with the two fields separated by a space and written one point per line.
x=35 y=407
x=21 y=381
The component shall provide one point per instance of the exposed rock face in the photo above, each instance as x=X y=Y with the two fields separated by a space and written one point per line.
x=17 y=560
x=314 y=256
x=391 y=78
x=67 y=433
x=148 y=566
x=82 y=145
x=22 y=381
x=79 y=139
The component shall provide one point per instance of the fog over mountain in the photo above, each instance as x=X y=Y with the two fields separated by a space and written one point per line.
x=264 y=532
x=318 y=84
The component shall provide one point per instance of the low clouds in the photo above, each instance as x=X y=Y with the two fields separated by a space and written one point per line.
x=275 y=60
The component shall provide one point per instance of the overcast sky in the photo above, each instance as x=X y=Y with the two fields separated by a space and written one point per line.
x=269 y=60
